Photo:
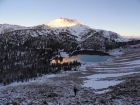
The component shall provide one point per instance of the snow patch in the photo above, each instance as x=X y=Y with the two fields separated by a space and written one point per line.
x=94 y=80
x=63 y=22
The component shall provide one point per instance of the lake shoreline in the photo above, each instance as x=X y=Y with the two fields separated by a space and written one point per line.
x=82 y=56
x=89 y=52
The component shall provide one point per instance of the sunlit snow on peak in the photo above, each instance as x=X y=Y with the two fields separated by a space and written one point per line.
x=63 y=22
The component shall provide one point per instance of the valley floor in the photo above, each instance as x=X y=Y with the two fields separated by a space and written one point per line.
x=113 y=82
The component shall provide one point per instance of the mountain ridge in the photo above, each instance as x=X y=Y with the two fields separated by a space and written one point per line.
x=10 y=27
x=69 y=27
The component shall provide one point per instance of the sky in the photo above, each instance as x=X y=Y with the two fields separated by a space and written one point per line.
x=120 y=16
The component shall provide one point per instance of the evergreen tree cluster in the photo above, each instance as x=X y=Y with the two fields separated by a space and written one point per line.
x=18 y=64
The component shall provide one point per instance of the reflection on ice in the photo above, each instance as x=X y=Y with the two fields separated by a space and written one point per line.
x=83 y=58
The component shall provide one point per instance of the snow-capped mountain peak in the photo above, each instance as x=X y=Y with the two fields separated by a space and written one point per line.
x=63 y=22
x=70 y=27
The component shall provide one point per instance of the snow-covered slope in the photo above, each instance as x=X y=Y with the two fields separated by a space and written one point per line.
x=80 y=30
x=63 y=30
x=112 y=35
x=8 y=28
x=67 y=26
x=71 y=26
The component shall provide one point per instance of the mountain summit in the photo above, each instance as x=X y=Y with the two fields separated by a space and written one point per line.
x=70 y=28
x=63 y=22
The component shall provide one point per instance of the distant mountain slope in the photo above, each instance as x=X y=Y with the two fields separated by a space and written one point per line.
x=65 y=25
x=4 y=28
x=70 y=33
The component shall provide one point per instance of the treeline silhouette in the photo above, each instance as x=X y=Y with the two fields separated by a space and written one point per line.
x=22 y=64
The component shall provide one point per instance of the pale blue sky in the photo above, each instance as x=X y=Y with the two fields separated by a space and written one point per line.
x=121 y=16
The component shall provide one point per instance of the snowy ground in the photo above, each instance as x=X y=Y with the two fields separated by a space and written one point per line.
x=95 y=82
x=113 y=82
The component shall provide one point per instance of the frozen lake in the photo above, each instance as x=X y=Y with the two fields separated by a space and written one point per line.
x=85 y=58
